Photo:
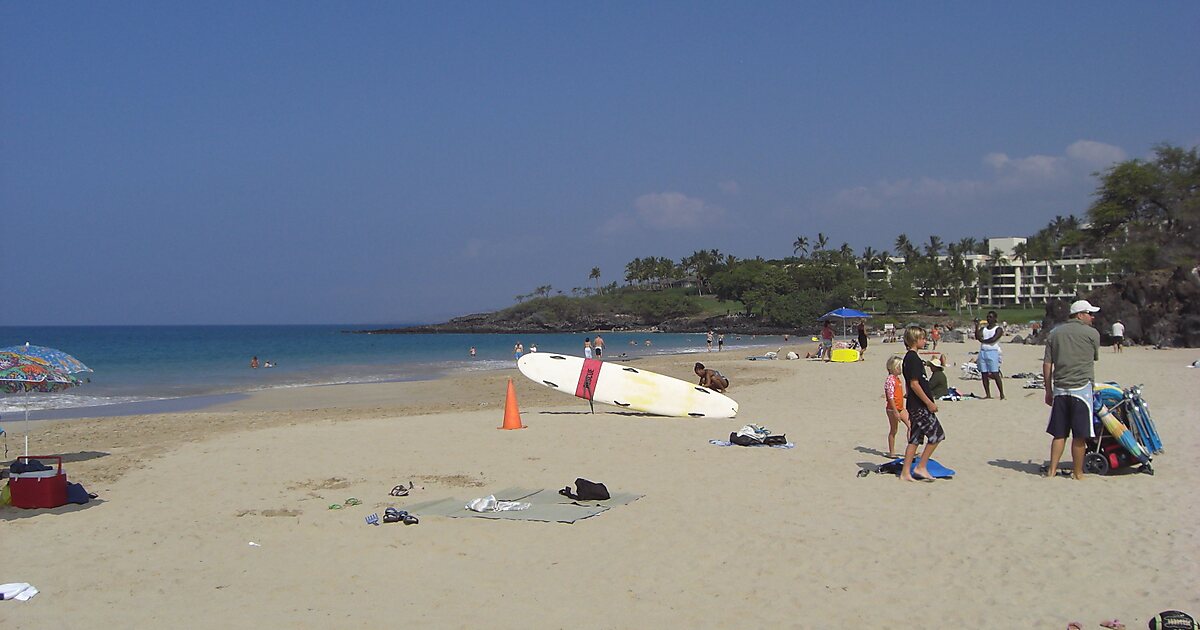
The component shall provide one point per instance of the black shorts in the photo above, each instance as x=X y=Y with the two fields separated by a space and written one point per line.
x=862 y=342
x=924 y=425
x=599 y=352
x=1070 y=416
x=1117 y=340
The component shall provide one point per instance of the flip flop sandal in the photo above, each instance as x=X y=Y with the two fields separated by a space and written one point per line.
x=1113 y=624
x=353 y=501
x=335 y=506
x=399 y=491
x=392 y=515
x=410 y=519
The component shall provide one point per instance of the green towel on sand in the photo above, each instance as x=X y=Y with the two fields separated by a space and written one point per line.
x=545 y=505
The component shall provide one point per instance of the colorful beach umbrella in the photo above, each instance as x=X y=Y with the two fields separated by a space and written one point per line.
x=20 y=372
x=26 y=373
x=55 y=358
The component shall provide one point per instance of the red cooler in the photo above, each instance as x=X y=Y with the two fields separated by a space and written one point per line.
x=44 y=489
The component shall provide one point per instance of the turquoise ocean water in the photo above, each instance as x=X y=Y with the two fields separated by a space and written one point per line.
x=135 y=365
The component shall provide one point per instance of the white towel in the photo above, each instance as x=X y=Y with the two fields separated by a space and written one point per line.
x=20 y=591
x=490 y=504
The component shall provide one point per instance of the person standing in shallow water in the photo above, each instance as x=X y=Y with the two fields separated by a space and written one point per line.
x=587 y=347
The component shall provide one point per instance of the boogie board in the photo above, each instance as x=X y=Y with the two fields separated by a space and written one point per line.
x=625 y=386
x=1122 y=435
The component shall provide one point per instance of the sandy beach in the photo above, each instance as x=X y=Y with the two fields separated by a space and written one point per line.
x=723 y=537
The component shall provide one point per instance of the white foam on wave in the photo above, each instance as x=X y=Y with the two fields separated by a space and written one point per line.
x=38 y=402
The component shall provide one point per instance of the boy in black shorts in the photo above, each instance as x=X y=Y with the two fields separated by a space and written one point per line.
x=923 y=423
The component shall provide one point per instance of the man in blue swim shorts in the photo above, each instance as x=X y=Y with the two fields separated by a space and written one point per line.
x=989 y=357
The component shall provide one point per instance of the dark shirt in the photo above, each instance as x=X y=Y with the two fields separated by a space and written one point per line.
x=914 y=370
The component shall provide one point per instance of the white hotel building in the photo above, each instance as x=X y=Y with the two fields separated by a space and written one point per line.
x=1017 y=282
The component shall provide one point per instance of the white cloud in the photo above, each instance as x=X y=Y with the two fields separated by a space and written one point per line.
x=664 y=211
x=1006 y=175
x=1096 y=154
x=673 y=210
x=1032 y=167
x=730 y=187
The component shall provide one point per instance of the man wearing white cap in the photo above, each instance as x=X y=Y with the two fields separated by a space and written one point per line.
x=1069 y=370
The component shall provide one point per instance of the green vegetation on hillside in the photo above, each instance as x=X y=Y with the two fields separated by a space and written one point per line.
x=1146 y=215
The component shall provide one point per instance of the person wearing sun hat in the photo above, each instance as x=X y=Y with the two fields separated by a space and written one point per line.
x=938 y=385
x=1068 y=369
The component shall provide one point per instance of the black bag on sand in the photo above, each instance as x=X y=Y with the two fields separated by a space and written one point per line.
x=772 y=440
x=744 y=440
x=586 y=490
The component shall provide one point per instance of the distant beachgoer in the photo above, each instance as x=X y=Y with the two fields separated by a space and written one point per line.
x=711 y=379
x=518 y=350
x=989 y=353
x=472 y=350
x=268 y=364
x=720 y=341
x=587 y=347
x=647 y=343
x=254 y=362
x=862 y=340
x=709 y=338
x=598 y=347
x=1118 y=335
x=935 y=335
x=785 y=338
x=533 y=347
x=893 y=391
x=826 y=341
x=633 y=342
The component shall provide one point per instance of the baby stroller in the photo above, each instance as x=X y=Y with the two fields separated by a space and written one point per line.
x=1126 y=435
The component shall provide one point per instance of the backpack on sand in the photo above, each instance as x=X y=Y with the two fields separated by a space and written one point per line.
x=586 y=490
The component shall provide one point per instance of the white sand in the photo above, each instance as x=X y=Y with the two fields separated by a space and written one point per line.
x=724 y=537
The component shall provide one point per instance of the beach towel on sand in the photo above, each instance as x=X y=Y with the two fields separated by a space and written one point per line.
x=893 y=467
x=545 y=505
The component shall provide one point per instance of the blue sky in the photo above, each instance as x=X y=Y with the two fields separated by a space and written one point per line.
x=177 y=163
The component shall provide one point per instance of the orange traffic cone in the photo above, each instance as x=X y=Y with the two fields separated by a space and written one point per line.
x=512 y=415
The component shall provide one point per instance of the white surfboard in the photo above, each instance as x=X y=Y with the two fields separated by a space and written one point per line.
x=625 y=386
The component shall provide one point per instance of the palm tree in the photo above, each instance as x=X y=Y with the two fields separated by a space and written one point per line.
x=800 y=246
x=934 y=248
x=868 y=257
x=822 y=242
x=595 y=275
x=904 y=247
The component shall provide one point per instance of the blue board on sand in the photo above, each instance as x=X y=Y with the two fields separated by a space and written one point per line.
x=937 y=470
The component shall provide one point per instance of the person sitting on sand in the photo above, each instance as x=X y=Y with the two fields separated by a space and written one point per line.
x=938 y=386
x=711 y=379
x=924 y=425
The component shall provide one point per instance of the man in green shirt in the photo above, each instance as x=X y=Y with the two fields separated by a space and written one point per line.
x=1068 y=369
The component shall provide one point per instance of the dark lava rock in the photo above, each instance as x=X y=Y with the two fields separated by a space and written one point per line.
x=1160 y=308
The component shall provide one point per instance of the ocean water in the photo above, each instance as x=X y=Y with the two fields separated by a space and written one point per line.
x=137 y=364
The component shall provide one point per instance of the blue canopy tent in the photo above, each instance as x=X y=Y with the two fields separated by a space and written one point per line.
x=844 y=314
